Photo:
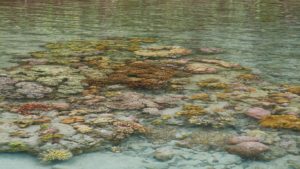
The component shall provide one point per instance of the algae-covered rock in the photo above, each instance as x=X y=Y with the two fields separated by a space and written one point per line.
x=17 y=146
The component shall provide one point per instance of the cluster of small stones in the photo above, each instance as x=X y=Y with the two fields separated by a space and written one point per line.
x=81 y=96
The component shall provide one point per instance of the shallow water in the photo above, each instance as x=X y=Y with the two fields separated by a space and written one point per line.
x=262 y=35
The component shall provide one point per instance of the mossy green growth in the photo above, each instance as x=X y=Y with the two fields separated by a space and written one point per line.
x=56 y=155
x=51 y=137
x=17 y=146
x=44 y=127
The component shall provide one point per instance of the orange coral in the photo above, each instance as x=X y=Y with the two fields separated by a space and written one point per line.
x=127 y=128
x=75 y=119
x=26 y=108
x=142 y=75
x=281 y=121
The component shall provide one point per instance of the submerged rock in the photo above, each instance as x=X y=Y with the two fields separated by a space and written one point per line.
x=207 y=50
x=258 y=113
x=200 y=68
x=6 y=84
x=32 y=90
x=221 y=63
x=163 y=51
x=247 y=149
x=241 y=139
x=128 y=101
x=163 y=154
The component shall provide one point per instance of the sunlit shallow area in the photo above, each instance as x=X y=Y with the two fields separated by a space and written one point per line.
x=117 y=84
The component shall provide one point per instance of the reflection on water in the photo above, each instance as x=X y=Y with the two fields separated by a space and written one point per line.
x=260 y=34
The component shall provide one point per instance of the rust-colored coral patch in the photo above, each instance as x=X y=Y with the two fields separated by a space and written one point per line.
x=142 y=75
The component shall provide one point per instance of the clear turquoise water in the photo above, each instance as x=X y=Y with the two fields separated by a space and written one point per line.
x=264 y=35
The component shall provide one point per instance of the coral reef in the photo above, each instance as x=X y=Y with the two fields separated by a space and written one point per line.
x=200 y=96
x=83 y=129
x=191 y=110
x=281 y=121
x=213 y=119
x=81 y=96
x=127 y=128
x=142 y=75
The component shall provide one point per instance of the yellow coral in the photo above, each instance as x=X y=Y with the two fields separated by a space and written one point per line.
x=279 y=98
x=222 y=96
x=200 y=96
x=281 y=121
x=294 y=89
x=212 y=84
x=56 y=155
x=83 y=128
x=191 y=110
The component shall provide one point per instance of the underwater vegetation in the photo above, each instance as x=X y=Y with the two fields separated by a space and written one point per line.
x=80 y=96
